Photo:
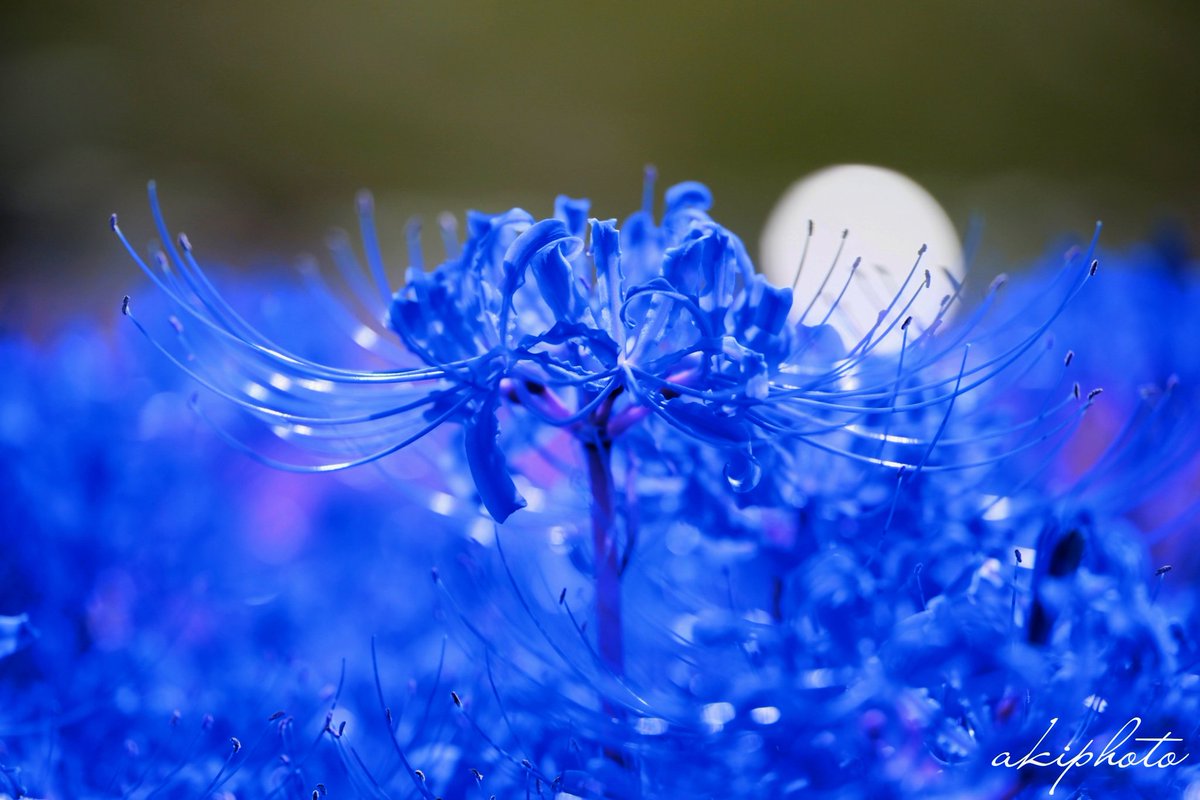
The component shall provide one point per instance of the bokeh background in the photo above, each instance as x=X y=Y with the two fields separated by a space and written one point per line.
x=261 y=120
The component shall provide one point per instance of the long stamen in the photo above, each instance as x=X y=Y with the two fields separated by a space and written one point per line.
x=366 y=222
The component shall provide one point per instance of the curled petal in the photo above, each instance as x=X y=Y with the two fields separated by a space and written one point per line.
x=489 y=469
x=573 y=212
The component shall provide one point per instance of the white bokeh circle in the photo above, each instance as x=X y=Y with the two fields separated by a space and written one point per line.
x=889 y=217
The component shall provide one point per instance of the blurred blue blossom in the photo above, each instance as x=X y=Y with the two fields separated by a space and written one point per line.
x=14 y=634
x=1134 y=456
x=157 y=598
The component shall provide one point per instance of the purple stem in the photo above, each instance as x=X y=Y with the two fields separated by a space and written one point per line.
x=607 y=571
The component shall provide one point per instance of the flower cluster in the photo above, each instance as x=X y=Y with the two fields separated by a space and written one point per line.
x=753 y=559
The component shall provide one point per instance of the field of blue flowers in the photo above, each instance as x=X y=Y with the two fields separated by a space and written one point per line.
x=585 y=509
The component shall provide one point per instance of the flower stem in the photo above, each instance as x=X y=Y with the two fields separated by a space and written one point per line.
x=607 y=570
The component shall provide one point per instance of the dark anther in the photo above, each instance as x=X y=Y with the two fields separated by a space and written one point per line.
x=1163 y=570
x=1095 y=265
x=420 y=775
x=125 y=306
x=562 y=596
x=1070 y=357
x=477 y=774
x=1017 y=553
x=1040 y=623
x=276 y=716
x=457 y=700
x=1067 y=554
x=112 y=222
x=1095 y=393
x=237 y=745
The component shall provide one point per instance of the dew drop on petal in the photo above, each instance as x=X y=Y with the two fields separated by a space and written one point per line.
x=743 y=472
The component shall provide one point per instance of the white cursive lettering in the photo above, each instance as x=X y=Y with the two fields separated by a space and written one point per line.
x=1114 y=754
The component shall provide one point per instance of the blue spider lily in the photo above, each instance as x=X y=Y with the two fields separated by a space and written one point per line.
x=574 y=324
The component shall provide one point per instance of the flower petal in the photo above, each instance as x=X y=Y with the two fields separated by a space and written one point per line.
x=489 y=469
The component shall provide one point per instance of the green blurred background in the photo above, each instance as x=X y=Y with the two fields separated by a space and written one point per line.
x=261 y=120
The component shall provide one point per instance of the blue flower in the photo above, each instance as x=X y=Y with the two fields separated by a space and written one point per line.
x=571 y=323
